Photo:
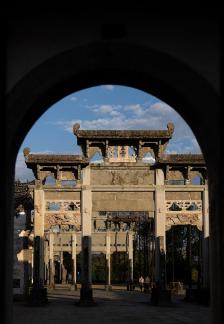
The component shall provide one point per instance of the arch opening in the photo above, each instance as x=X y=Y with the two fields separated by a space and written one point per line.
x=205 y=150
x=137 y=254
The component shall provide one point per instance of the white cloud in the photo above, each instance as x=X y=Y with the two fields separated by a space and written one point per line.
x=118 y=121
x=140 y=116
x=109 y=87
x=104 y=109
x=161 y=107
x=116 y=113
x=73 y=98
x=111 y=110
x=137 y=110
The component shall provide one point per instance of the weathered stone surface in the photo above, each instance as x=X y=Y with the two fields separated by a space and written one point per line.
x=62 y=219
x=54 y=158
x=123 y=201
x=62 y=195
x=186 y=159
x=122 y=177
x=123 y=134
x=183 y=195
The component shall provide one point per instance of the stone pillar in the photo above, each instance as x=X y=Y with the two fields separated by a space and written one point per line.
x=58 y=176
x=86 y=295
x=160 y=294
x=51 y=260
x=74 y=241
x=106 y=157
x=130 y=260
x=39 y=209
x=38 y=295
x=130 y=256
x=205 y=240
x=46 y=262
x=160 y=228
x=62 y=269
x=108 y=263
x=38 y=275
x=139 y=152
x=187 y=175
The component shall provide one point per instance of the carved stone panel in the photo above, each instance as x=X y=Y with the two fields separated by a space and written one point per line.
x=183 y=219
x=60 y=218
x=183 y=205
x=183 y=212
x=64 y=213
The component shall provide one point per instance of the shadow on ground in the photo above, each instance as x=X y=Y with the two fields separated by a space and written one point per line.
x=117 y=306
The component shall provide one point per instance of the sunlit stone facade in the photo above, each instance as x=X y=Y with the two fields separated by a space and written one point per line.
x=95 y=207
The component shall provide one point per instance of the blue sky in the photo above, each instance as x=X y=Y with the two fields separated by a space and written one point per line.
x=102 y=107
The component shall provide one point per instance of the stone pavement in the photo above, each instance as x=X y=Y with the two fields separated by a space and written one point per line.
x=117 y=306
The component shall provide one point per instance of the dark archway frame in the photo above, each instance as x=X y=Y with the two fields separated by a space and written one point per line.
x=125 y=64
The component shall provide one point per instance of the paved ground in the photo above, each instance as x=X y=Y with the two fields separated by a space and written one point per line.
x=117 y=306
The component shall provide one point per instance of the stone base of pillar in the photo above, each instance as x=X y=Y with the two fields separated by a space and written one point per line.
x=51 y=286
x=130 y=286
x=160 y=297
x=86 y=297
x=74 y=287
x=108 y=287
x=38 y=297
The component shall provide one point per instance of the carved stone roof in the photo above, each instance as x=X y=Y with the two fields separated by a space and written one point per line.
x=54 y=159
x=123 y=134
x=196 y=159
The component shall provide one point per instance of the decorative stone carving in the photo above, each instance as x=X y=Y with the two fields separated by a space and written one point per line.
x=184 y=218
x=76 y=128
x=26 y=151
x=184 y=205
x=59 y=218
x=170 y=127
x=120 y=153
x=187 y=212
x=130 y=177
x=115 y=178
